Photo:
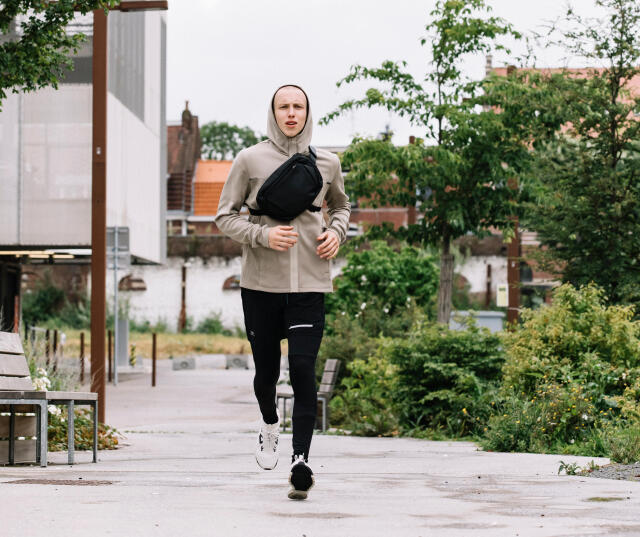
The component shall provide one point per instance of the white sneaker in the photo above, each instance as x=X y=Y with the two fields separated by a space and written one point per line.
x=267 y=447
x=300 y=478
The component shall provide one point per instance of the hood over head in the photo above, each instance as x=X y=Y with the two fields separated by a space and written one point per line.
x=298 y=143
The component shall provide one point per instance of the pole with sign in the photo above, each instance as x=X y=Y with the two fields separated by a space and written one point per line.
x=118 y=256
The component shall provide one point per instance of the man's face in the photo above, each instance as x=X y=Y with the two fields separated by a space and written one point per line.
x=290 y=109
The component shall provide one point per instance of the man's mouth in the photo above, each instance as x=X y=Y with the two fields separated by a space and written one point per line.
x=291 y=123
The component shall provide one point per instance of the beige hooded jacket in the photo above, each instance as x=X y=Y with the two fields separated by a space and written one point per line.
x=300 y=268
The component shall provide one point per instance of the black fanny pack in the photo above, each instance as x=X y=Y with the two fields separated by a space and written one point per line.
x=291 y=189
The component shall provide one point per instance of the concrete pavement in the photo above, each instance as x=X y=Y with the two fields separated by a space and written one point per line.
x=186 y=468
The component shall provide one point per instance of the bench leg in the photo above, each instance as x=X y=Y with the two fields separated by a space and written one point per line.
x=95 y=431
x=324 y=414
x=44 y=433
x=38 y=418
x=12 y=435
x=71 y=434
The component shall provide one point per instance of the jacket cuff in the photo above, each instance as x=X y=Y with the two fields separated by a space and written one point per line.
x=263 y=236
x=337 y=234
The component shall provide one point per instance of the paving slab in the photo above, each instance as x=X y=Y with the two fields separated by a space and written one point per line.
x=186 y=468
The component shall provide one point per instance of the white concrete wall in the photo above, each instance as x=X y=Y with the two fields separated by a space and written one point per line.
x=474 y=269
x=204 y=294
x=133 y=180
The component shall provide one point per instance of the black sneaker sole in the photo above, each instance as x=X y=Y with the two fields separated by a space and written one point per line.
x=301 y=482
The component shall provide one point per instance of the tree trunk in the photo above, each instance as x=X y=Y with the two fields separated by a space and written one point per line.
x=446 y=281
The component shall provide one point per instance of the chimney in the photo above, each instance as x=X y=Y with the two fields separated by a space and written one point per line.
x=186 y=117
x=488 y=65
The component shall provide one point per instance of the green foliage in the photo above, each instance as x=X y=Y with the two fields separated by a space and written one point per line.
x=557 y=416
x=576 y=338
x=446 y=379
x=144 y=326
x=364 y=405
x=83 y=431
x=390 y=279
x=571 y=376
x=213 y=325
x=459 y=176
x=36 y=57
x=222 y=141
x=43 y=302
x=624 y=444
x=586 y=204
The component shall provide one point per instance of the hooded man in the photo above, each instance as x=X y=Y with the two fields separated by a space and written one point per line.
x=285 y=273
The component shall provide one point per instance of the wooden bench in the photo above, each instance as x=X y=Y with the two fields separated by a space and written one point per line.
x=325 y=392
x=20 y=400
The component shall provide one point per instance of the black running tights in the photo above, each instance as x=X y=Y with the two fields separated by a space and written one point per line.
x=298 y=317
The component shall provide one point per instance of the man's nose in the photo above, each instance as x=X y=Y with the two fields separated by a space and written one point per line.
x=291 y=111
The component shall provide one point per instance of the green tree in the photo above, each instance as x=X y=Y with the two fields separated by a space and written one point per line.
x=587 y=208
x=459 y=176
x=35 y=46
x=222 y=141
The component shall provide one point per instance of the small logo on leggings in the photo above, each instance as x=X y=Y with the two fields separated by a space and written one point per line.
x=252 y=333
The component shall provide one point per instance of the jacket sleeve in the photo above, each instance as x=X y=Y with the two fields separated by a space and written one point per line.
x=338 y=205
x=234 y=194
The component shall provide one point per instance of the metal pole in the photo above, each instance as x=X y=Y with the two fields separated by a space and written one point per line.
x=99 y=208
x=115 y=306
x=153 y=359
x=109 y=355
x=81 y=357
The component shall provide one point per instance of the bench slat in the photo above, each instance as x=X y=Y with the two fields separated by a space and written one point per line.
x=10 y=343
x=331 y=365
x=13 y=365
x=15 y=383
x=25 y=451
x=25 y=426
x=65 y=396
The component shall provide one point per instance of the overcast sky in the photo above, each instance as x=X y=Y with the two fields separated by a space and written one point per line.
x=226 y=57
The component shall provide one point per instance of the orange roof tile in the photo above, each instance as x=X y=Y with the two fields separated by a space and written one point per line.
x=212 y=171
x=210 y=178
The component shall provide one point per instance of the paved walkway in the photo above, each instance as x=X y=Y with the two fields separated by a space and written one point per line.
x=186 y=468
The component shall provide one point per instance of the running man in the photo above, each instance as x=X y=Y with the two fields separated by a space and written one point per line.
x=285 y=273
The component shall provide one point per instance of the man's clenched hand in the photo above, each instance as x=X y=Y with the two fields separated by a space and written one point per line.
x=282 y=238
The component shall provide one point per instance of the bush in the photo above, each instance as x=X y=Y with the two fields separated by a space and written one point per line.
x=558 y=416
x=571 y=376
x=64 y=377
x=212 y=324
x=364 y=405
x=387 y=277
x=43 y=302
x=446 y=379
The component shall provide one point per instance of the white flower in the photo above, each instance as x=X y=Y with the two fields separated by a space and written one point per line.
x=572 y=441
x=363 y=305
x=386 y=310
x=408 y=299
x=585 y=417
x=363 y=278
x=344 y=313
x=53 y=409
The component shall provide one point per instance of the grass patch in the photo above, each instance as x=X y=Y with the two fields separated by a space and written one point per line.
x=169 y=344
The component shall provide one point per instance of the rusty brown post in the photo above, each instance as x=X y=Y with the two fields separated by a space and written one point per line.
x=47 y=349
x=109 y=355
x=16 y=313
x=99 y=208
x=81 y=357
x=153 y=359
x=55 y=349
